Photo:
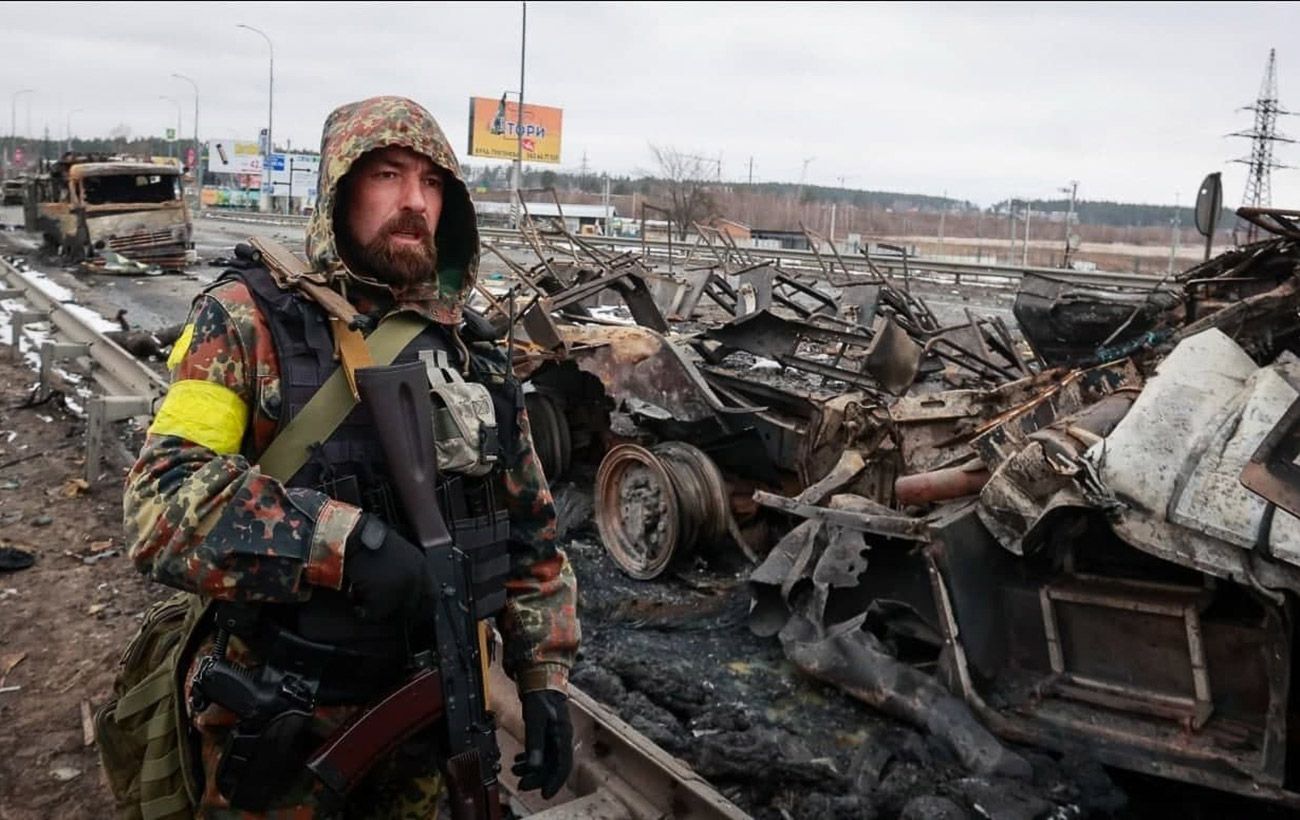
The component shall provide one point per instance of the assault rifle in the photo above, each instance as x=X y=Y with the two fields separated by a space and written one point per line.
x=450 y=684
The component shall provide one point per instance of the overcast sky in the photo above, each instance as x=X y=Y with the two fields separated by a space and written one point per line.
x=981 y=100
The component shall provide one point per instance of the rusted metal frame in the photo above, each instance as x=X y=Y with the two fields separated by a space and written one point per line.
x=1272 y=471
x=979 y=334
x=865 y=383
x=1009 y=343
x=1113 y=745
x=782 y=278
x=702 y=237
x=743 y=256
x=794 y=334
x=890 y=526
x=589 y=288
x=931 y=347
x=1196 y=709
x=618 y=773
x=814 y=239
x=849 y=328
x=729 y=300
x=1279 y=221
x=644 y=251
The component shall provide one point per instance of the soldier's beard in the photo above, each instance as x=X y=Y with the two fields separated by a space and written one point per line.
x=393 y=263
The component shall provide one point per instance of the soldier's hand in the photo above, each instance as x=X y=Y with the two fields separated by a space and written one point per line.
x=384 y=573
x=547 y=757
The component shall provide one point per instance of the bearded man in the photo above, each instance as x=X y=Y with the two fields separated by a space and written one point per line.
x=301 y=546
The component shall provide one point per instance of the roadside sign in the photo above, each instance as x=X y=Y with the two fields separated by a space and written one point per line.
x=189 y=157
x=171 y=134
x=18 y=155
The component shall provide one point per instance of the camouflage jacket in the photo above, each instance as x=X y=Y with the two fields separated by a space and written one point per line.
x=199 y=514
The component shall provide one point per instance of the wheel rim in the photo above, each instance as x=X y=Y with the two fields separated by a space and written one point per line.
x=637 y=511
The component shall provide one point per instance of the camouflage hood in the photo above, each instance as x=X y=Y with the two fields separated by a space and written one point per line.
x=352 y=130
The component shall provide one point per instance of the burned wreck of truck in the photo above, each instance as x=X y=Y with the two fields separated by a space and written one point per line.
x=92 y=208
x=1034 y=535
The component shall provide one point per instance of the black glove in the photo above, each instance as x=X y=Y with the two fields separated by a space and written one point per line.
x=384 y=572
x=547 y=757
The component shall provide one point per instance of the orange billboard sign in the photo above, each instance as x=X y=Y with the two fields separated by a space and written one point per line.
x=494 y=130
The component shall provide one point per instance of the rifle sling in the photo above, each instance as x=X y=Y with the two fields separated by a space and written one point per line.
x=327 y=408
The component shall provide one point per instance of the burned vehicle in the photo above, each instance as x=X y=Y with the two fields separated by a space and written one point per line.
x=1038 y=537
x=14 y=191
x=87 y=207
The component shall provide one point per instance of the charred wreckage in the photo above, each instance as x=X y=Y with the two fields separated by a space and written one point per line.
x=1079 y=532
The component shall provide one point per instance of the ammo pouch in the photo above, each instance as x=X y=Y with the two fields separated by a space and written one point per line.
x=143 y=731
x=464 y=420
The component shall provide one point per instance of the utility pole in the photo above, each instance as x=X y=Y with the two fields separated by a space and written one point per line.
x=1069 y=216
x=751 y=170
x=68 y=125
x=803 y=175
x=609 y=219
x=13 y=125
x=1175 y=223
x=1011 y=228
x=943 y=212
x=1029 y=211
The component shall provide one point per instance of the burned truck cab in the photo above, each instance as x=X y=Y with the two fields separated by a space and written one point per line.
x=87 y=207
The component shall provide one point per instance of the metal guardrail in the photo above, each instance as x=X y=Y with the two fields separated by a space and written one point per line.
x=130 y=389
x=954 y=273
x=116 y=371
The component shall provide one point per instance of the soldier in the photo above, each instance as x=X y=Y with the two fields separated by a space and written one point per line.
x=335 y=584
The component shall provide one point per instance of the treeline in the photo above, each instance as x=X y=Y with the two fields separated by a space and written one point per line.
x=1090 y=212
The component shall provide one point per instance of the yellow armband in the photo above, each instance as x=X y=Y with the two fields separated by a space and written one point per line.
x=205 y=413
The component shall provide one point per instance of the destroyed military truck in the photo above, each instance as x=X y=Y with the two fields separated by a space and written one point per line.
x=86 y=207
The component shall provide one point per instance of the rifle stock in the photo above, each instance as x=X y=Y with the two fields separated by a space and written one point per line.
x=352 y=751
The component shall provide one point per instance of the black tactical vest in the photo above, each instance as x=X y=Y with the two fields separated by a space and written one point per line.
x=350 y=466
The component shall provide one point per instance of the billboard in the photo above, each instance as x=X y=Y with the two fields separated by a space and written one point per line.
x=295 y=175
x=492 y=130
x=227 y=156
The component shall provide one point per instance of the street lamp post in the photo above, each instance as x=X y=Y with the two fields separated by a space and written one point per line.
x=517 y=198
x=175 y=137
x=1073 y=191
x=198 y=153
x=68 y=125
x=265 y=203
x=13 y=125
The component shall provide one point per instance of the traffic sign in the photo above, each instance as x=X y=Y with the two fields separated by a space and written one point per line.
x=171 y=134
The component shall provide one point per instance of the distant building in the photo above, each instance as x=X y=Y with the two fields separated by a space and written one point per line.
x=788 y=240
x=579 y=219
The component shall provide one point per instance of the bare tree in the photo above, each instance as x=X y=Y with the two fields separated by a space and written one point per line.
x=685 y=176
